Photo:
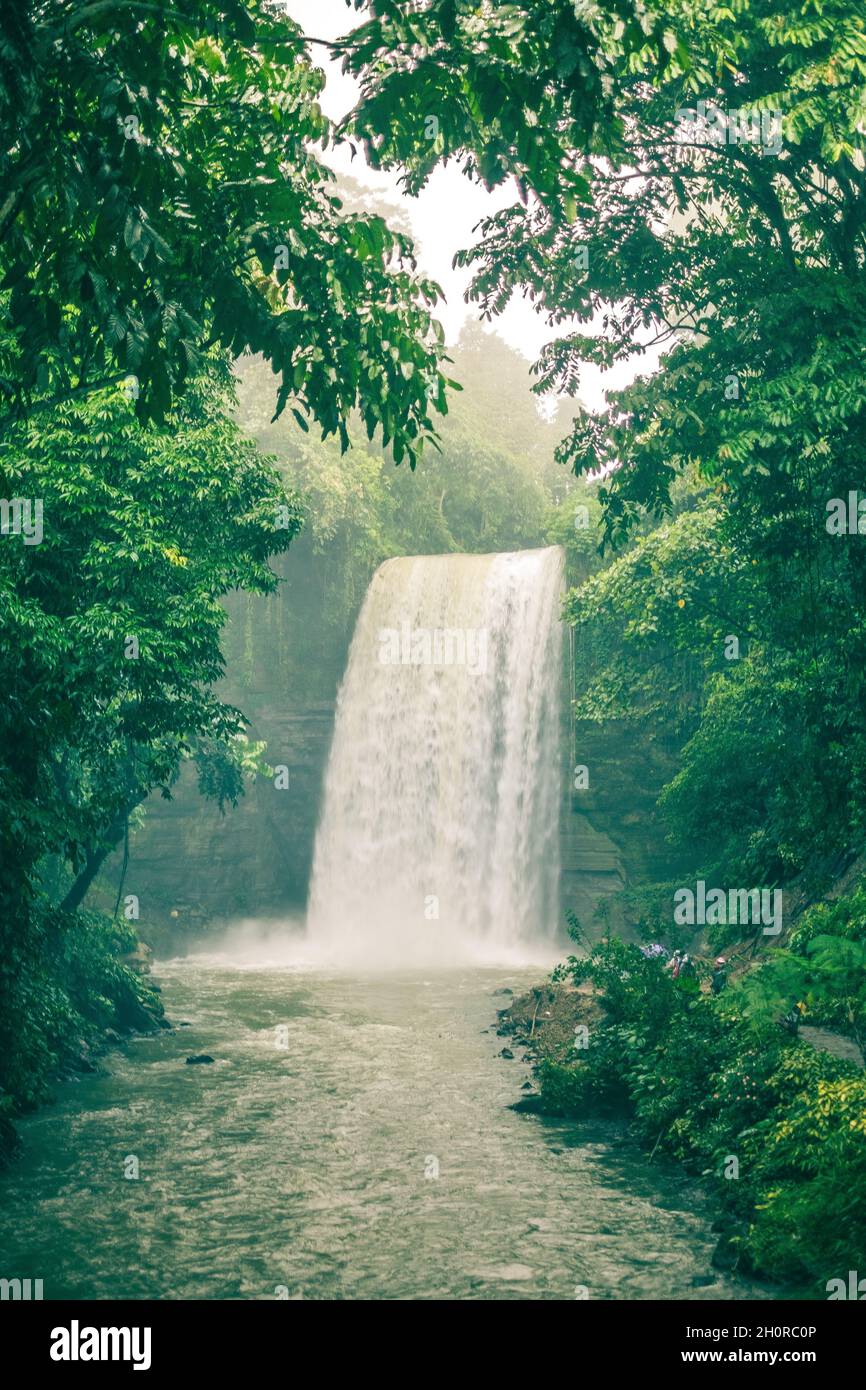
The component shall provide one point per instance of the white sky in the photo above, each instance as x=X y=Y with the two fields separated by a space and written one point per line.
x=443 y=216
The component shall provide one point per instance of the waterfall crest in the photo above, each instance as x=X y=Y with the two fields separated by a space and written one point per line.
x=439 y=834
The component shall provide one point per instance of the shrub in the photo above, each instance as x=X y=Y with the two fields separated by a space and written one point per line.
x=60 y=994
x=707 y=1078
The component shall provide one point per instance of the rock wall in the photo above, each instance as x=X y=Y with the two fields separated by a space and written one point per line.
x=611 y=835
x=194 y=869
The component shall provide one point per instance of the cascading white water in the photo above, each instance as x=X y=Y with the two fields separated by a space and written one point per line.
x=439 y=835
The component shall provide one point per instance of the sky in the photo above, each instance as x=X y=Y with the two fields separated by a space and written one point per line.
x=443 y=216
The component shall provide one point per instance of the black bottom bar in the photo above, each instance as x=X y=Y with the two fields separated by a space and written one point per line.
x=188 y=1338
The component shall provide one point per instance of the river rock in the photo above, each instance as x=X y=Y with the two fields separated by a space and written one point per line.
x=199 y=1061
x=726 y=1254
x=528 y=1105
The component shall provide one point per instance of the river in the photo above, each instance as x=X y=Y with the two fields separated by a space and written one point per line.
x=351 y=1140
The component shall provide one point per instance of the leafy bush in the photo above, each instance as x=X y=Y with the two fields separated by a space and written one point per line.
x=809 y=1221
x=63 y=989
x=844 y=917
x=708 y=1079
x=824 y=967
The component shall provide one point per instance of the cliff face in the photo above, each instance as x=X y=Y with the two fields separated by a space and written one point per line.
x=193 y=869
x=611 y=835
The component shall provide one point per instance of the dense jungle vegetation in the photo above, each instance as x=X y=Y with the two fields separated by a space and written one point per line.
x=166 y=211
x=494 y=485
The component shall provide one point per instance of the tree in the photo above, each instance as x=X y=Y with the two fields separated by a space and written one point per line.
x=161 y=196
x=112 y=622
x=509 y=90
x=714 y=205
x=723 y=199
x=489 y=489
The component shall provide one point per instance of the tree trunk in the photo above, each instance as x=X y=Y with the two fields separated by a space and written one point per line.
x=95 y=858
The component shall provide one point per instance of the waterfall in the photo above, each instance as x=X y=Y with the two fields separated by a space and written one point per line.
x=439 y=834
